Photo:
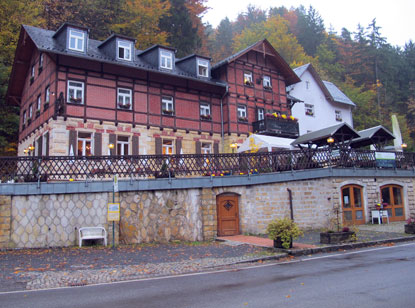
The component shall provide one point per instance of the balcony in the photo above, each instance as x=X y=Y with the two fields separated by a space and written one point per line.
x=276 y=126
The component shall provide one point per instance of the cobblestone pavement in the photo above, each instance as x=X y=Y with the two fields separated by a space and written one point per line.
x=58 y=267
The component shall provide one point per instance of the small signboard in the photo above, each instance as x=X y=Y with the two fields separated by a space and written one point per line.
x=113 y=212
x=116 y=183
x=385 y=159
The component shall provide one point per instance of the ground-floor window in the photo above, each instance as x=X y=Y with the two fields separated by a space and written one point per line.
x=122 y=145
x=167 y=147
x=352 y=205
x=84 y=144
x=392 y=197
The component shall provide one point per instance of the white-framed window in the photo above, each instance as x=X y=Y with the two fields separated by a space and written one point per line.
x=167 y=105
x=24 y=117
x=202 y=68
x=122 y=145
x=166 y=59
x=76 y=40
x=248 y=78
x=338 y=114
x=84 y=144
x=242 y=115
x=266 y=82
x=38 y=103
x=44 y=143
x=124 y=49
x=47 y=94
x=41 y=60
x=124 y=98
x=309 y=110
x=206 y=148
x=205 y=111
x=75 y=92
x=260 y=114
x=30 y=111
x=167 y=147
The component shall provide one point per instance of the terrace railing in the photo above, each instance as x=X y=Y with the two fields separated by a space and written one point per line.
x=64 y=168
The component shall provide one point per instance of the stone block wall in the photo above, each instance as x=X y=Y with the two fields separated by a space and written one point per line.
x=5 y=220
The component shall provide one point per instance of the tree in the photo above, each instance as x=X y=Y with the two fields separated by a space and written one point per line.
x=222 y=46
x=245 y=20
x=275 y=30
x=310 y=29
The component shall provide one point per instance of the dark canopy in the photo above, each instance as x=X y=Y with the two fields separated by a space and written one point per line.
x=378 y=136
x=342 y=134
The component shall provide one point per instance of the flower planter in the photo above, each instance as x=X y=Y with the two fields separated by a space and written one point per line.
x=410 y=229
x=335 y=237
x=278 y=243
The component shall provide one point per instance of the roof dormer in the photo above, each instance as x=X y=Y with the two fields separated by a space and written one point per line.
x=119 y=47
x=159 y=56
x=73 y=37
x=196 y=65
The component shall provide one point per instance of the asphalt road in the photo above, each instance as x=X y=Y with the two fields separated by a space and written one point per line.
x=375 y=277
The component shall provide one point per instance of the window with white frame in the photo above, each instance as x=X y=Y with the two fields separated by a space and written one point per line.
x=38 y=103
x=40 y=61
x=248 y=78
x=122 y=145
x=242 y=116
x=167 y=147
x=76 y=40
x=206 y=148
x=124 y=98
x=266 y=82
x=167 y=106
x=24 y=117
x=338 y=115
x=84 y=144
x=260 y=114
x=309 y=110
x=32 y=74
x=75 y=92
x=202 y=68
x=166 y=59
x=30 y=111
x=205 y=111
x=124 y=50
x=47 y=95
x=44 y=143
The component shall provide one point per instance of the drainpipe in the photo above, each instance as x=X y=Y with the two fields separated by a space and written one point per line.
x=290 y=196
x=221 y=118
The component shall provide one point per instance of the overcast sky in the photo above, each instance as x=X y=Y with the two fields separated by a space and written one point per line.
x=395 y=17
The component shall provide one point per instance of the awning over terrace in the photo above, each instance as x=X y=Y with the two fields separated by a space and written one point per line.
x=378 y=136
x=342 y=135
x=261 y=143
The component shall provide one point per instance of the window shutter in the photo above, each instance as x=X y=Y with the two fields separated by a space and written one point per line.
x=72 y=142
x=39 y=145
x=112 y=139
x=216 y=148
x=178 y=146
x=47 y=143
x=159 y=146
x=98 y=144
x=198 y=147
x=135 y=145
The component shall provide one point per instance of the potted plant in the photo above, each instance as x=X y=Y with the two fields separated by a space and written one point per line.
x=335 y=234
x=410 y=226
x=282 y=232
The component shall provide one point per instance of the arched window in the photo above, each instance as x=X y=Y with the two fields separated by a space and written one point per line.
x=352 y=205
x=392 y=196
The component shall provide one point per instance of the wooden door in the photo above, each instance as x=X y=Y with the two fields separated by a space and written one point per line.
x=392 y=195
x=352 y=205
x=228 y=215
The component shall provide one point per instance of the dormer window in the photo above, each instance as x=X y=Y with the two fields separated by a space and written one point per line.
x=202 y=68
x=166 y=59
x=76 y=40
x=124 y=50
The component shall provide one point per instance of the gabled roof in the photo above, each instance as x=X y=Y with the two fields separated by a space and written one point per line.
x=192 y=56
x=340 y=133
x=119 y=36
x=373 y=135
x=330 y=90
x=262 y=47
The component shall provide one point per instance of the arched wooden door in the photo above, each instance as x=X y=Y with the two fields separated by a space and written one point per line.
x=393 y=196
x=228 y=214
x=352 y=205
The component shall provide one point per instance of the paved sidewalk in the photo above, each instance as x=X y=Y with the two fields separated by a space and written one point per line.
x=259 y=241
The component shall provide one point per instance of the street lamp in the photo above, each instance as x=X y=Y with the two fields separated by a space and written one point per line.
x=330 y=140
x=233 y=147
x=404 y=145
x=110 y=147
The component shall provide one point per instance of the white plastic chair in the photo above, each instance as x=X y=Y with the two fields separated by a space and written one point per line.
x=384 y=214
x=376 y=214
